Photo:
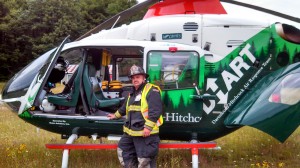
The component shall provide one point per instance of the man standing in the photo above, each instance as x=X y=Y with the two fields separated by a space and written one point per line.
x=138 y=146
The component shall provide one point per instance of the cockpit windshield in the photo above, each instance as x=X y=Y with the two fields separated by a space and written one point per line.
x=18 y=85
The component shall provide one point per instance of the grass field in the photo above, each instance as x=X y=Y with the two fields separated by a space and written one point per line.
x=23 y=145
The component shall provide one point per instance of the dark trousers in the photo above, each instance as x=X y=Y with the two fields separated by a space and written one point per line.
x=138 y=151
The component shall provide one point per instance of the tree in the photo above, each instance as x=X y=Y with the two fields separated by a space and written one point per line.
x=11 y=41
x=29 y=28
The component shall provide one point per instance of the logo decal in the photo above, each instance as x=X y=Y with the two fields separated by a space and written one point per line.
x=176 y=117
x=237 y=65
x=171 y=36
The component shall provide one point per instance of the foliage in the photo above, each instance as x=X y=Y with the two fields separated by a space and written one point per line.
x=29 y=28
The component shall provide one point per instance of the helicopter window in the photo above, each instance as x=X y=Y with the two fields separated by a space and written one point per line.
x=22 y=80
x=123 y=66
x=287 y=91
x=73 y=56
x=173 y=70
x=46 y=65
x=66 y=66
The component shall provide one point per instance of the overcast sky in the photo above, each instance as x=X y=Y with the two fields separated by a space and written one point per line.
x=290 y=7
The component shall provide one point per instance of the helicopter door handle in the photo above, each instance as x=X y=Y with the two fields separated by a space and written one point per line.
x=203 y=97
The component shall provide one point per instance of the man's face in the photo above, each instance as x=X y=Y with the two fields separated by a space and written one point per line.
x=137 y=80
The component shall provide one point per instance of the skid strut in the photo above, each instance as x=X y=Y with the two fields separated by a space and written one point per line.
x=194 y=147
x=66 y=152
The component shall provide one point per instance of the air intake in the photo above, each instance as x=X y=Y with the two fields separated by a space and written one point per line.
x=190 y=26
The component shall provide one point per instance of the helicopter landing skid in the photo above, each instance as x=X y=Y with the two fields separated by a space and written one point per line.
x=193 y=145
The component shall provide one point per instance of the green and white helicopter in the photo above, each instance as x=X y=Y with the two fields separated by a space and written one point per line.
x=217 y=71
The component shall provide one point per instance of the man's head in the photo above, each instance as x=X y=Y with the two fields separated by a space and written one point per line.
x=61 y=64
x=137 y=76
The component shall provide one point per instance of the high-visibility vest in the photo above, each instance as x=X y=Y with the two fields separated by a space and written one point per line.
x=144 y=110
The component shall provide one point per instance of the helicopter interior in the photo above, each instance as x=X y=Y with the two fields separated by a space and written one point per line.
x=100 y=82
x=97 y=86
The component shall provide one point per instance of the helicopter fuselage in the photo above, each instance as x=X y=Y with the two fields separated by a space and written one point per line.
x=206 y=66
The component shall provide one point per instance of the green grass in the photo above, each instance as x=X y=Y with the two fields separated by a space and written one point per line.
x=23 y=145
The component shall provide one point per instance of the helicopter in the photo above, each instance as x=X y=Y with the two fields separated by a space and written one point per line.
x=217 y=72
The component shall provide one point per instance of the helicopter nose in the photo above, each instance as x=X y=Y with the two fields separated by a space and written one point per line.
x=11 y=98
x=8 y=98
x=17 y=87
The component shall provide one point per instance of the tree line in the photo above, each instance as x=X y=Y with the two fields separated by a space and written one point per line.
x=29 y=28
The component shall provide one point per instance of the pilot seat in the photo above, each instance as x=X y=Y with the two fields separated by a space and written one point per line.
x=69 y=98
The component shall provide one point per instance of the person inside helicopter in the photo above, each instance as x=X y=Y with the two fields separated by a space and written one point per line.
x=58 y=72
x=56 y=75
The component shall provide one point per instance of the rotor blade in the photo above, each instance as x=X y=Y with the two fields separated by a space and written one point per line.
x=272 y=12
x=119 y=17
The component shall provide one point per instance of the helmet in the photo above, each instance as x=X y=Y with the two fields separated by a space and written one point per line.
x=61 y=64
x=136 y=70
x=46 y=106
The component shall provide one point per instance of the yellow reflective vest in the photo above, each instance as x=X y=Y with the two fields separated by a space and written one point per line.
x=143 y=109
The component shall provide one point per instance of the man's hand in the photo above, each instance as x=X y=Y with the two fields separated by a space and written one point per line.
x=111 y=116
x=146 y=132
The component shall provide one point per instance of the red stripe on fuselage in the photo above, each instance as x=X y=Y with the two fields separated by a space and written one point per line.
x=171 y=7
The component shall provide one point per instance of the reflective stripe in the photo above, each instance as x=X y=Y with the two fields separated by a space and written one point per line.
x=137 y=133
x=150 y=123
x=160 y=121
x=134 y=108
x=120 y=156
x=146 y=113
x=127 y=104
x=118 y=115
x=144 y=106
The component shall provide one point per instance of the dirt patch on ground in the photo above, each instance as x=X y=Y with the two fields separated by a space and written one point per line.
x=2 y=106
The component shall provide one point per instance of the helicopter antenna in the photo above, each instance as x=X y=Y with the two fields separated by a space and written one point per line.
x=115 y=22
